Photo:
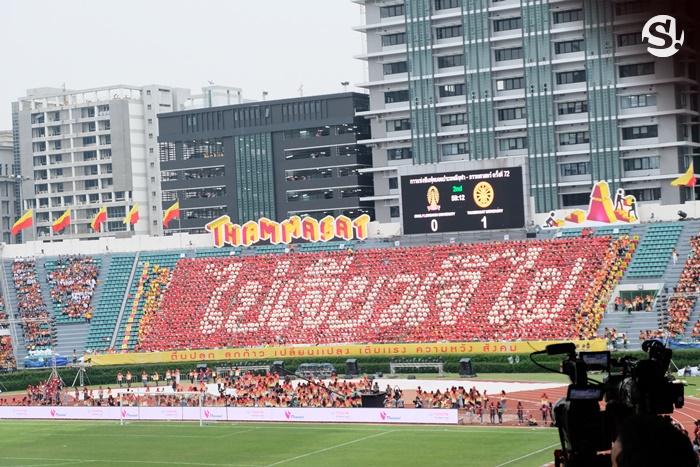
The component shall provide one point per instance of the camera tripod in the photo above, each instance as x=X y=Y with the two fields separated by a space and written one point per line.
x=81 y=376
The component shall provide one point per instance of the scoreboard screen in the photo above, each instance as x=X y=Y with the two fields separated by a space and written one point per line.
x=460 y=201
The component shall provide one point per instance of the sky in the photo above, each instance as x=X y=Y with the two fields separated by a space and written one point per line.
x=270 y=45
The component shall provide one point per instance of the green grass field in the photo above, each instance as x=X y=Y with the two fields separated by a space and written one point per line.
x=51 y=443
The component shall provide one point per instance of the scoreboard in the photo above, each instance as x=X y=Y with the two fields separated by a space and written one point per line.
x=461 y=201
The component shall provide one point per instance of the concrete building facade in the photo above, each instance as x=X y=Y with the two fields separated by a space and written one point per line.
x=8 y=182
x=91 y=148
x=266 y=159
x=565 y=86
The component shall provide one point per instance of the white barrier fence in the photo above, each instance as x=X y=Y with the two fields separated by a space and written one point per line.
x=235 y=414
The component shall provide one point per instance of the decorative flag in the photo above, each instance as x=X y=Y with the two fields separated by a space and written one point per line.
x=62 y=222
x=133 y=216
x=23 y=222
x=687 y=179
x=99 y=219
x=173 y=212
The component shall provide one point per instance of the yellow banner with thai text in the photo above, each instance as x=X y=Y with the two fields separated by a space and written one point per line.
x=320 y=351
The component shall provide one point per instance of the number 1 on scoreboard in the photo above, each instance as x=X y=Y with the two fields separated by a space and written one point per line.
x=483 y=221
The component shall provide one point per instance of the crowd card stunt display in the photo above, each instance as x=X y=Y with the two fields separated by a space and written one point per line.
x=458 y=201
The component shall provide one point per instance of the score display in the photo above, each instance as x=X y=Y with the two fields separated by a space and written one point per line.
x=460 y=201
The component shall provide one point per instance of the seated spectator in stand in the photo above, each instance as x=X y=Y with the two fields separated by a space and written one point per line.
x=72 y=284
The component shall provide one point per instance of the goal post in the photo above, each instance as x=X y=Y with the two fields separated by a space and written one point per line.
x=190 y=406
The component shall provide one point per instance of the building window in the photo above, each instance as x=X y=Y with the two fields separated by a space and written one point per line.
x=394 y=183
x=509 y=84
x=448 y=31
x=398 y=125
x=391 y=11
x=396 y=67
x=510 y=144
x=631 y=7
x=453 y=119
x=453 y=149
x=450 y=90
x=636 y=69
x=507 y=24
x=575 y=199
x=513 y=53
x=645 y=194
x=394 y=39
x=569 y=77
x=639 y=100
x=568 y=47
x=631 y=38
x=568 y=16
x=89 y=140
x=575 y=168
x=394 y=211
x=514 y=113
x=395 y=154
x=446 y=4
x=573 y=107
x=449 y=61
x=574 y=137
x=639 y=132
x=396 y=96
x=641 y=163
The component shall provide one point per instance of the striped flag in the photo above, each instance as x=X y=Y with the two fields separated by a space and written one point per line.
x=687 y=179
x=99 y=219
x=173 y=212
x=23 y=222
x=132 y=216
x=62 y=222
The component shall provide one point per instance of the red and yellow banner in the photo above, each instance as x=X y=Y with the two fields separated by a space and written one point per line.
x=23 y=222
x=173 y=212
x=99 y=219
x=688 y=179
x=132 y=217
x=62 y=222
x=349 y=350
x=308 y=228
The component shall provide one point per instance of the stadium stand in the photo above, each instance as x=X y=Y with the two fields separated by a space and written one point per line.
x=153 y=275
x=538 y=289
x=7 y=357
x=37 y=323
x=72 y=281
x=113 y=290
x=655 y=250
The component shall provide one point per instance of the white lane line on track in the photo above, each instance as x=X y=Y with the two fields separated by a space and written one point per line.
x=336 y=446
x=528 y=455
x=123 y=461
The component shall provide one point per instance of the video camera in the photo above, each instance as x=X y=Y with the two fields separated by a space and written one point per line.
x=631 y=386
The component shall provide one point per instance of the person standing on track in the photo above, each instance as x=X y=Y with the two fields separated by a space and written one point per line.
x=521 y=413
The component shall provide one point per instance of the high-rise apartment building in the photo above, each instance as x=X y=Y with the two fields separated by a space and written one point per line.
x=8 y=181
x=564 y=88
x=95 y=147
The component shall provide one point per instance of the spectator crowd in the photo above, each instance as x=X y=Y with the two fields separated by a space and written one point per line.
x=37 y=322
x=72 y=284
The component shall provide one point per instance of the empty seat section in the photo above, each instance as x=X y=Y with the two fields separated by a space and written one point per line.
x=654 y=251
x=112 y=295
